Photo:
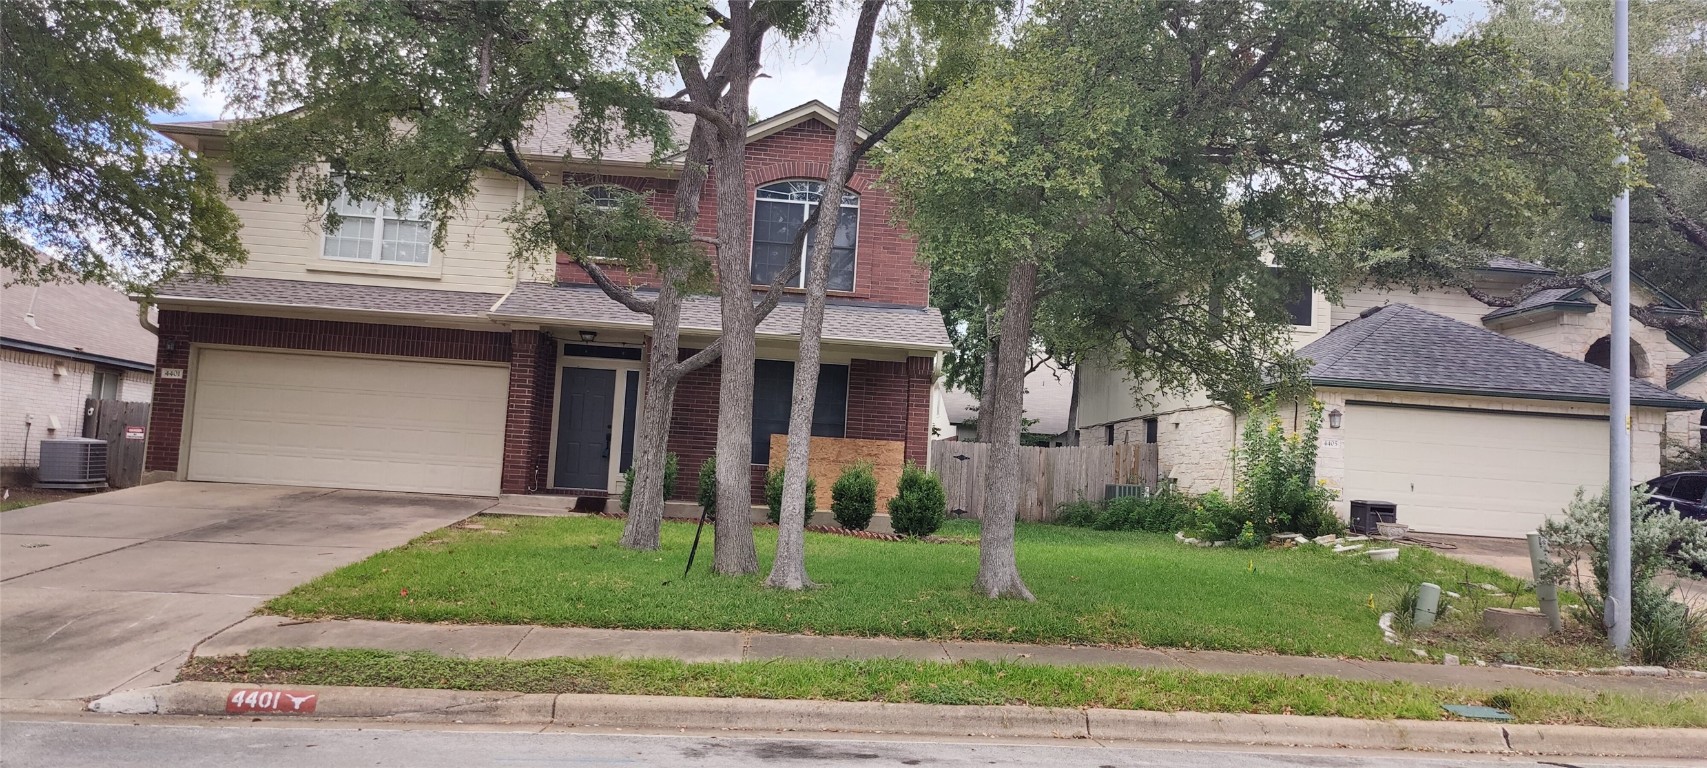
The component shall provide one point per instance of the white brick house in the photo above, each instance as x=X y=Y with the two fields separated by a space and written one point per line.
x=59 y=345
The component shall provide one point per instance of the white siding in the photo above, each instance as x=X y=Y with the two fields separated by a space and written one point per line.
x=284 y=241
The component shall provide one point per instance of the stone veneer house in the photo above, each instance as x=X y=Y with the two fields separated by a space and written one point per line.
x=1473 y=420
x=368 y=358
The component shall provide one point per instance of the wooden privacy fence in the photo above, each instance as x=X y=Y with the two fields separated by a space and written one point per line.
x=1048 y=477
x=124 y=427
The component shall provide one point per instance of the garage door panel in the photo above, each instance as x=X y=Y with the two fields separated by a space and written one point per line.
x=1477 y=473
x=346 y=422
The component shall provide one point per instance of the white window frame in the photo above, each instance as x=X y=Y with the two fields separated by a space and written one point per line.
x=379 y=213
x=802 y=193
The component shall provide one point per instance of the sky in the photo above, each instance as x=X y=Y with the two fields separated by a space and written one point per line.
x=794 y=73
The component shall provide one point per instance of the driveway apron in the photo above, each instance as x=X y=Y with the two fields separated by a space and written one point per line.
x=113 y=590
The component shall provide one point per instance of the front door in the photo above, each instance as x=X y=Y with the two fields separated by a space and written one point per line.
x=584 y=428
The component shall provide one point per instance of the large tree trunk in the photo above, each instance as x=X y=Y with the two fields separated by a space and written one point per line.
x=735 y=553
x=1072 y=436
x=788 y=569
x=998 y=573
x=646 y=513
x=992 y=353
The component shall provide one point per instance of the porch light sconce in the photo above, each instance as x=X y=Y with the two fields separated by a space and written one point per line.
x=1334 y=418
x=589 y=336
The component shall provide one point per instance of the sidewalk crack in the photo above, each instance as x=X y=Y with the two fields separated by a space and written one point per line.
x=1506 y=734
x=511 y=653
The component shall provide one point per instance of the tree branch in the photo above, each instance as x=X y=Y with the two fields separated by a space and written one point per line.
x=697 y=109
x=617 y=293
x=1677 y=146
x=1653 y=315
x=1679 y=221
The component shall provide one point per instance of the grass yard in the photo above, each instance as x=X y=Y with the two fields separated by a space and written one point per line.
x=1093 y=588
x=934 y=683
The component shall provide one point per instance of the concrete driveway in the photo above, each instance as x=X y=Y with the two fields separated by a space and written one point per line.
x=1512 y=556
x=114 y=590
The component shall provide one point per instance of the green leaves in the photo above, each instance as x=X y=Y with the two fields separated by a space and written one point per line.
x=82 y=176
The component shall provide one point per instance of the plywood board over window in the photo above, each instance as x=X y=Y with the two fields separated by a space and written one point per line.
x=831 y=455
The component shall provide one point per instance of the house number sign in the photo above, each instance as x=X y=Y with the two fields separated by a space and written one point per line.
x=282 y=702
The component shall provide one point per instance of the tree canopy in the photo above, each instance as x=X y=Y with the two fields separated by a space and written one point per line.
x=84 y=180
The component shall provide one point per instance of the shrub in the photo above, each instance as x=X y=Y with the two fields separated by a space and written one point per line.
x=670 y=467
x=773 y=494
x=708 y=487
x=919 y=505
x=1277 y=490
x=1215 y=518
x=1248 y=538
x=1162 y=512
x=1079 y=514
x=1662 y=629
x=853 y=499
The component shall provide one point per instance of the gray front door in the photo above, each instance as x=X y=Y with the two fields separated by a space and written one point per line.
x=584 y=428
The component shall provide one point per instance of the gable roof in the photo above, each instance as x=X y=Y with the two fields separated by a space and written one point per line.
x=76 y=320
x=1687 y=370
x=1401 y=347
x=1580 y=299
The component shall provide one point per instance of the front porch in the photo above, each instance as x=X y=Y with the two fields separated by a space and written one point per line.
x=575 y=396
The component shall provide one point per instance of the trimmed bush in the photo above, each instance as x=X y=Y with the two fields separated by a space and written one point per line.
x=670 y=467
x=708 y=487
x=773 y=494
x=919 y=505
x=853 y=499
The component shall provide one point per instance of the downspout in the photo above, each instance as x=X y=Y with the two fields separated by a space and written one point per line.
x=142 y=318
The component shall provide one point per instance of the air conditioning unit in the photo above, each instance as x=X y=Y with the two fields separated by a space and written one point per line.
x=74 y=463
x=1120 y=491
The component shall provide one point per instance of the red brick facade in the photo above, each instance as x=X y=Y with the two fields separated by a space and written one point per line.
x=178 y=330
x=527 y=420
x=886 y=266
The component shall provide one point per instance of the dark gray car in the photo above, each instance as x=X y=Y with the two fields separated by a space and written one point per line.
x=1685 y=492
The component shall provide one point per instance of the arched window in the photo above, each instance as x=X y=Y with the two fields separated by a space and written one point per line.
x=1600 y=353
x=778 y=211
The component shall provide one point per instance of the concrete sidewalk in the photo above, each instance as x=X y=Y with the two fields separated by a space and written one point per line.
x=532 y=642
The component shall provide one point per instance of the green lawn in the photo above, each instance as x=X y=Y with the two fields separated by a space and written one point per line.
x=935 y=683
x=1092 y=587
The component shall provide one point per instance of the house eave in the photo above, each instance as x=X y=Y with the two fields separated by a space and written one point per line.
x=73 y=354
x=1678 y=404
x=695 y=330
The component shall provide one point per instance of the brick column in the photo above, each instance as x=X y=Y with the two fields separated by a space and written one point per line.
x=520 y=425
x=166 y=414
x=919 y=371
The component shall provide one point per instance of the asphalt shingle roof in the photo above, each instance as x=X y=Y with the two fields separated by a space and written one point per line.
x=911 y=327
x=78 y=317
x=1508 y=264
x=1687 y=369
x=1401 y=347
x=304 y=293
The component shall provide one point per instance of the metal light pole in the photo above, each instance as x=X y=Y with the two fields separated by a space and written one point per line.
x=1618 y=565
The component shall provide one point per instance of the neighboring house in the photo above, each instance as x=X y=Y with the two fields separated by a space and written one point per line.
x=1048 y=398
x=60 y=344
x=1473 y=420
x=368 y=358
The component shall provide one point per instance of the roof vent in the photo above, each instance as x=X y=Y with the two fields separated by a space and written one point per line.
x=1371 y=310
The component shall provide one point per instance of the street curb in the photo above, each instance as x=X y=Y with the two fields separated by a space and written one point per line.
x=1019 y=722
x=41 y=706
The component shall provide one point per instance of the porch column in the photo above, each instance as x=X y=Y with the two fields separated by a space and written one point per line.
x=919 y=409
x=527 y=420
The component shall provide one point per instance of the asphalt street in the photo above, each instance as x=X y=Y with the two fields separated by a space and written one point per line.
x=34 y=742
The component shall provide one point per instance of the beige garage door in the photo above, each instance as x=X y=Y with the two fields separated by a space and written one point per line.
x=347 y=422
x=1480 y=473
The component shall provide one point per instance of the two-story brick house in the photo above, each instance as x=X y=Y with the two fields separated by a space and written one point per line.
x=368 y=358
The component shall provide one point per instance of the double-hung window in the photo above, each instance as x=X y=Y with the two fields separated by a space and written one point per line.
x=779 y=210
x=773 y=402
x=379 y=232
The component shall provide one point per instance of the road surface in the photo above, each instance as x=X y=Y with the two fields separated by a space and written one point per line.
x=70 y=742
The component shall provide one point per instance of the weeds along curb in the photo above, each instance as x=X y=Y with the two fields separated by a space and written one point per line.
x=778 y=715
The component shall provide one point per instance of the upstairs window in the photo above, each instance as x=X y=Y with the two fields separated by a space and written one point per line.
x=1300 y=298
x=779 y=210
x=380 y=232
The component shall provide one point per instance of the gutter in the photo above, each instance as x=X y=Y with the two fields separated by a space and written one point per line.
x=1678 y=404
x=45 y=349
x=696 y=330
